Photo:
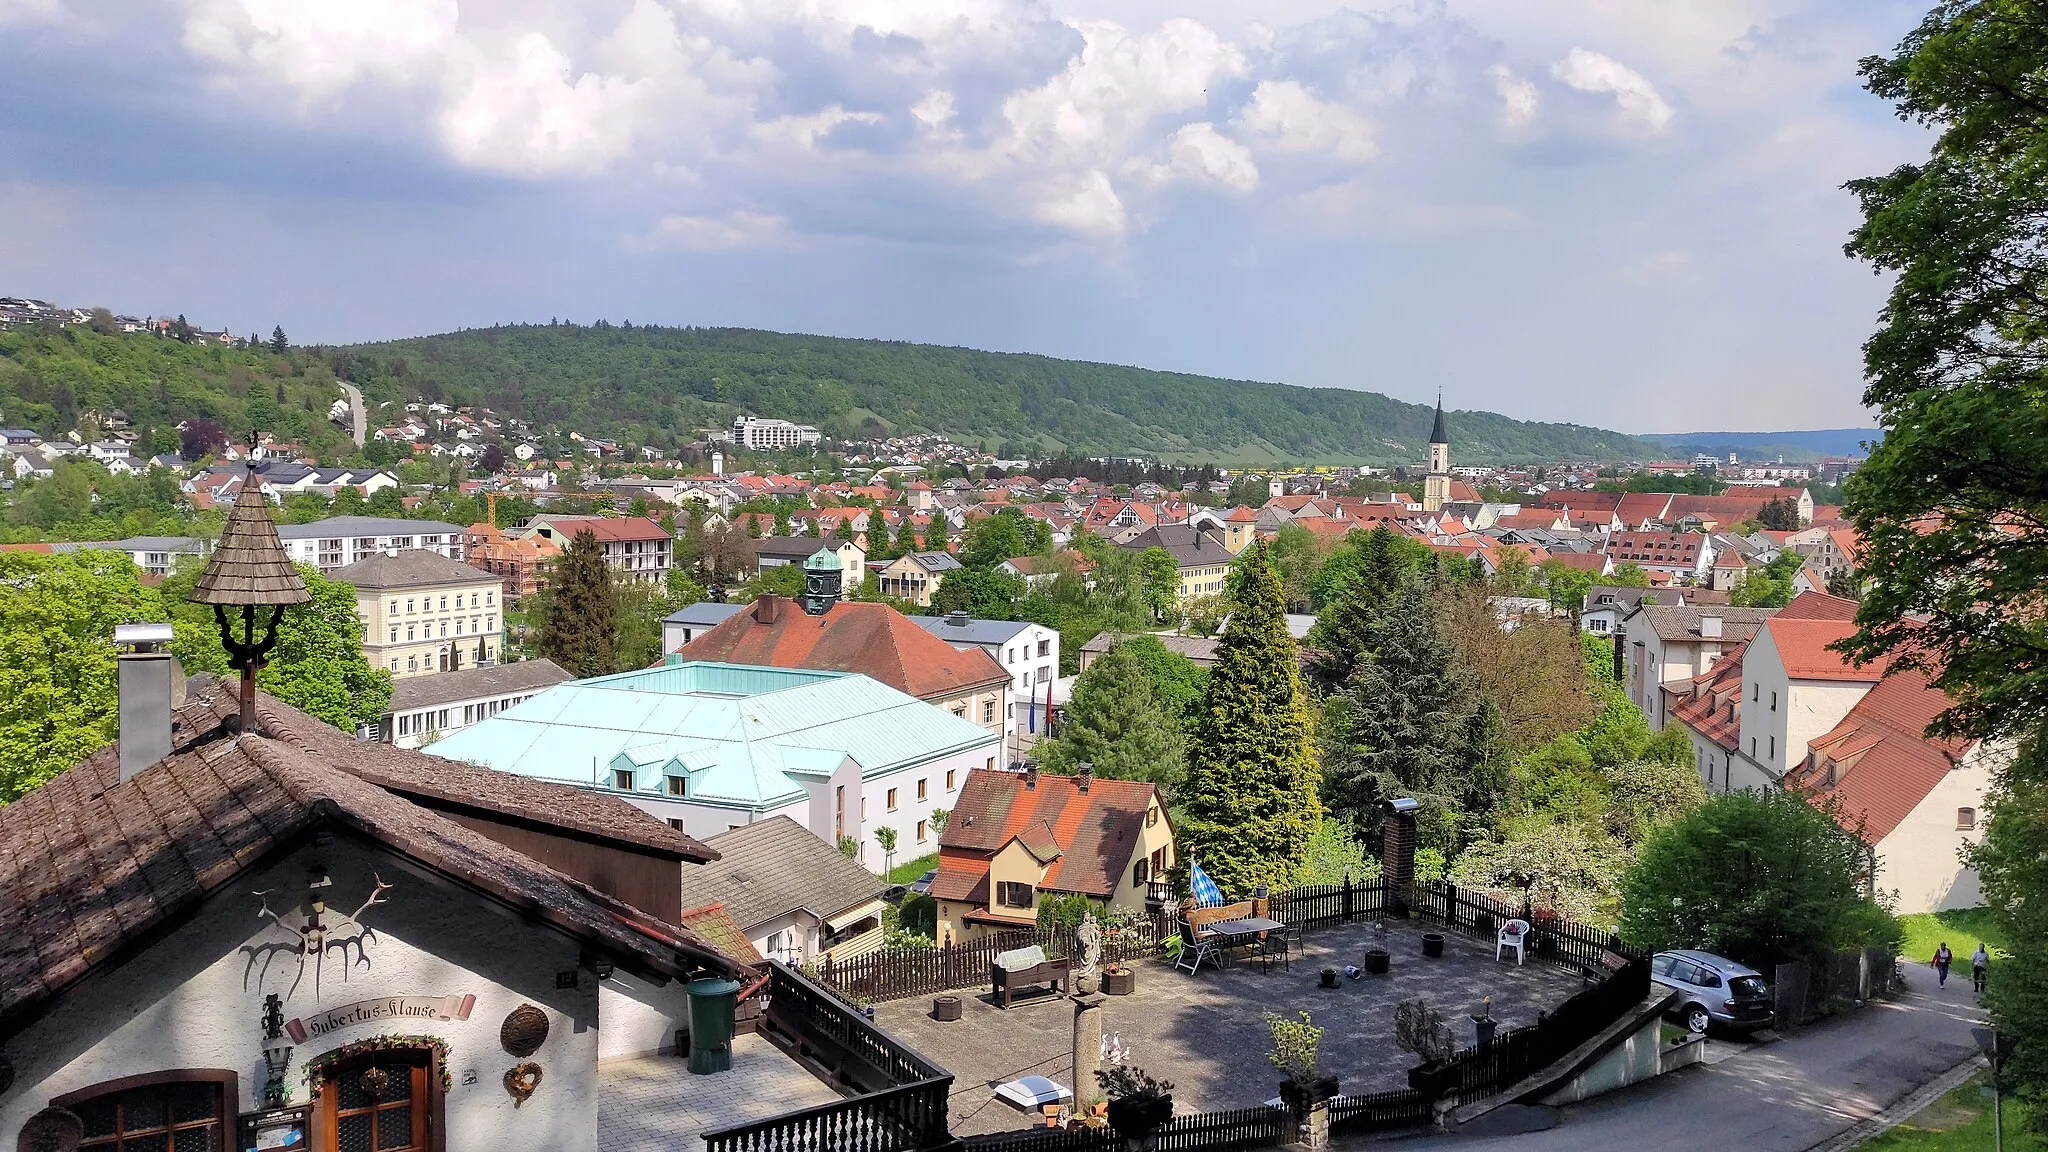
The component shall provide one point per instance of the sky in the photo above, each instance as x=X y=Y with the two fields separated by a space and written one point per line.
x=1623 y=213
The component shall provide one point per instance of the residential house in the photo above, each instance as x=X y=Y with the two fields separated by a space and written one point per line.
x=1685 y=557
x=777 y=551
x=266 y=916
x=915 y=576
x=1016 y=838
x=1029 y=652
x=710 y=747
x=1828 y=550
x=635 y=548
x=798 y=899
x=686 y=624
x=425 y=708
x=1917 y=801
x=871 y=639
x=1606 y=606
x=339 y=541
x=158 y=555
x=1200 y=649
x=1202 y=552
x=424 y=613
x=1668 y=644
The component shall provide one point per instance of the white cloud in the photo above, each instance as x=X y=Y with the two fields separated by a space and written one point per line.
x=1088 y=204
x=806 y=130
x=1120 y=83
x=1517 y=97
x=936 y=110
x=1636 y=96
x=1289 y=117
x=322 y=46
x=715 y=233
x=1200 y=154
x=524 y=110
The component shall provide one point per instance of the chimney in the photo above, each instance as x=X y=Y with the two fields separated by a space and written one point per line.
x=144 y=678
x=956 y=619
x=1084 y=775
x=1030 y=774
x=766 y=607
x=1397 y=852
x=1710 y=627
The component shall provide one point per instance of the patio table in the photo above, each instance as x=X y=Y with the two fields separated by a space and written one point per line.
x=1238 y=933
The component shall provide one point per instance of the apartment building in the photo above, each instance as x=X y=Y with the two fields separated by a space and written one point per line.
x=339 y=541
x=424 y=613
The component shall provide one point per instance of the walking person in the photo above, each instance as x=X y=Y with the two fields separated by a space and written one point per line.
x=1980 y=961
x=1942 y=959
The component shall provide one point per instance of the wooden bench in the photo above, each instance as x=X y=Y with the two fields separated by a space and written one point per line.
x=1004 y=982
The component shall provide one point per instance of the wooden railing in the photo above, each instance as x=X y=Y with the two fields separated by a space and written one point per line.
x=902 y=1107
x=1235 y=1131
x=1488 y=1069
x=1379 y=1112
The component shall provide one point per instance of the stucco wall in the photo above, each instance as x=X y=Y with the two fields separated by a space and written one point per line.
x=1920 y=858
x=195 y=1000
x=640 y=1017
x=1632 y=1061
x=909 y=810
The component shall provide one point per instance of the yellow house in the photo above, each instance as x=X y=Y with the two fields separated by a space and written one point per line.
x=915 y=576
x=1203 y=552
x=423 y=612
x=1016 y=838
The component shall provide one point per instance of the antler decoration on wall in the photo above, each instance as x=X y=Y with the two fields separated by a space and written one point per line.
x=314 y=938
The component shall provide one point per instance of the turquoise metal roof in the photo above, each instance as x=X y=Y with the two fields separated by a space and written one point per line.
x=744 y=736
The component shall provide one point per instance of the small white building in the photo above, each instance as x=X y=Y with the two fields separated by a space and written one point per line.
x=339 y=541
x=1672 y=644
x=797 y=898
x=1029 y=652
x=425 y=708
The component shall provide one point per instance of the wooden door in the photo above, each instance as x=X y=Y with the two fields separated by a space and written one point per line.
x=391 y=1118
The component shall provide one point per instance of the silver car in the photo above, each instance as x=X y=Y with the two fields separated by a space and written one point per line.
x=1714 y=990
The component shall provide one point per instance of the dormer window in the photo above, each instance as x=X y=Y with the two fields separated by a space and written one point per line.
x=622 y=779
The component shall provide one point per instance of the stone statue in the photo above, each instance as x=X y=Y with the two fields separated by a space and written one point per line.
x=1089 y=936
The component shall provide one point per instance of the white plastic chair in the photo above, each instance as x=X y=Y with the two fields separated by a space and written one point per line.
x=1513 y=934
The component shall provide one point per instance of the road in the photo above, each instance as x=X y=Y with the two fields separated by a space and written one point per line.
x=357 y=417
x=1782 y=1096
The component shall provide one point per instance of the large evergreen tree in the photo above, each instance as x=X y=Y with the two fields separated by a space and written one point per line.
x=1251 y=799
x=1403 y=721
x=1342 y=636
x=580 y=632
x=1952 y=500
x=1117 y=722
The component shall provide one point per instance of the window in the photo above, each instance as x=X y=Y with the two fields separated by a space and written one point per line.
x=622 y=779
x=1012 y=894
x=1752 y=747
x=490 y=599
x=1755 y=692
x=991 y=765
x=1774 y=747
x=1774 y=701
x=408 y=607
x=949 y=779
x=1966 y=819
x=677 y=785
x=412 y=663
x=444 y=603
x=394 y=1120
x=394 y=608
x=409 y=631
x=1010 y=656
x=1152 y=816
x=180 y=1109
x=988 y=711
x=892 y=799
x=920 y=789
x=394 y=633
x=961 y=711
x=1045 y=647
x=1141 y=872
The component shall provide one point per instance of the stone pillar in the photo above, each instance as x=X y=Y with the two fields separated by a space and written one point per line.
x=1397 y=860
x=1312 y=1128
x=1087 y=1046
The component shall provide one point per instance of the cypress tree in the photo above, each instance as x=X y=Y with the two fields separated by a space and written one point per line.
x=581 y=632
x=1253 y=769
x=878 y=536
x=906 y=537
x=1343 y=632
x=935 y=533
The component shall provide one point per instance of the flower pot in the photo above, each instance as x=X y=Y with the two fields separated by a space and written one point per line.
x=1484 y=1026
x=1139 y=1116
x=1432 y=1080
x=1300 y=1097
x=1377 y=961
x=1329 y=979
x=945 y=1007
x=1433 y=945
x=1115 y=983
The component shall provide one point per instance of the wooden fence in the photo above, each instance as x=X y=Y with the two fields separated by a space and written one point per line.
x=1379 y=1112
x=1235 y=1131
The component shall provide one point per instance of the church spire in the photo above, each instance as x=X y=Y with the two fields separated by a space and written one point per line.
x=1437 y=435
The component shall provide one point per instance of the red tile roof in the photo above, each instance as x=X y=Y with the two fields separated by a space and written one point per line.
x=622 y=528
x=1878 y=762
x=1241 y=515
x=1818 y=606
x=874 y=640
x=1802 y=644
x=1712 y=704
x=1094 y=832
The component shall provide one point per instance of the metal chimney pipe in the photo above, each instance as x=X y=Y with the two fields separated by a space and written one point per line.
x=144 y=679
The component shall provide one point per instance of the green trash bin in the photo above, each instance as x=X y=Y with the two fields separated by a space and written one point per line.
x=712 y=1003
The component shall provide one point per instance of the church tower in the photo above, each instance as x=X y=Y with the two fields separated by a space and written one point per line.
x=1436 y=486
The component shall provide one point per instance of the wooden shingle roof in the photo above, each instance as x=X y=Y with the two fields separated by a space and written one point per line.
x=250 y=567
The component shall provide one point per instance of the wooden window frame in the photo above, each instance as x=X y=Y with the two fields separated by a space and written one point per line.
x=436 y=1104
x=226 y=1080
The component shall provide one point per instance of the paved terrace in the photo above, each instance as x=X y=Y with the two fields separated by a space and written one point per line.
x=1207 y=1033
x=654 y=1104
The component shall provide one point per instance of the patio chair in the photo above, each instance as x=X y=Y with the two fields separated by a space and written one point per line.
x=1513 y=934
x=1274 y=947
x=1194 y=949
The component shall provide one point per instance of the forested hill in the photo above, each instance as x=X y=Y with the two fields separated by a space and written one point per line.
x=653 y=384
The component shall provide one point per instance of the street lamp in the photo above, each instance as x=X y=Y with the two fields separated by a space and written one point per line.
x=249 y=572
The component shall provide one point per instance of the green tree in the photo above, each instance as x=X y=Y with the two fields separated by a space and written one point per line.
x=1759 y=876
x=1178 y=682
x=1780 y=515
x=878 y=547
x=1769 y=586
x=1565 y=586
x=580 y=629
x=1629 y=574
x=1568 y=866
x=906 y=538
x=1399 y=725
x=1253 y=769
x=993 y=539
x=1644 y=795
x=1117 y=722
x=1159 y=581
x=57 y=658
x=1845 y=583
x=278 y=343
x=1342 y=635
x=935 y=533
x=983 y=593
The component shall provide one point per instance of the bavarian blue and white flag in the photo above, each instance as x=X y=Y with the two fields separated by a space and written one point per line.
x=1205 y=890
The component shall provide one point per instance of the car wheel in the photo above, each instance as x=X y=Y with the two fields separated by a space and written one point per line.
x=1696 y=1019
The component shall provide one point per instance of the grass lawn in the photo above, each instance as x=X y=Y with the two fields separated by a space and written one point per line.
x=910 y=870
x=1958 y=1122
x=1962 y=928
